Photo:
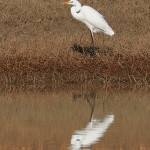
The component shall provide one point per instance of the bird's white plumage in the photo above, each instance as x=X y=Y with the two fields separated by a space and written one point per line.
x=96 y=20
x=90 y=17
x=93 y=131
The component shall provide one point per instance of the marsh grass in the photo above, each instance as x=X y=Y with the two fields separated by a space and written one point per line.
x=45 y=72
x=42 y=46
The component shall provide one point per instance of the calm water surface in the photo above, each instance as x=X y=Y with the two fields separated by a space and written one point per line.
x=75 y=120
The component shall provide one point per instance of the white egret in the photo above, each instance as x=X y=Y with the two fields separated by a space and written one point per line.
x=90 y=17
x=93 y=131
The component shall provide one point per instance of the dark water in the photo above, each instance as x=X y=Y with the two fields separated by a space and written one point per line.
x=94 y=120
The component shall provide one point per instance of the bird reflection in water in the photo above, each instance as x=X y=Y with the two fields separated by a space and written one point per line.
x=94 y=130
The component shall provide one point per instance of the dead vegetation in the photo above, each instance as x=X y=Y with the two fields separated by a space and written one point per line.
x=42 y=46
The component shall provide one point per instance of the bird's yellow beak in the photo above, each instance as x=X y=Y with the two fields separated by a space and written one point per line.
x=65 y=2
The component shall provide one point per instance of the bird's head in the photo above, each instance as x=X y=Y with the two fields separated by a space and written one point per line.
x=76 y=141
x=71 y=2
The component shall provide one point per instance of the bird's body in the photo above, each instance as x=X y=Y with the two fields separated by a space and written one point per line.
x=93 y=131
x=90 y=17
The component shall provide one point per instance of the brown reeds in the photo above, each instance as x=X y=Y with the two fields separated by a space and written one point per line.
x=42 y=72
x=42 y=46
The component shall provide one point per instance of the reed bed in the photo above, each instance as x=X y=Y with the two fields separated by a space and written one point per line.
x=43 y=72
x=42 y=46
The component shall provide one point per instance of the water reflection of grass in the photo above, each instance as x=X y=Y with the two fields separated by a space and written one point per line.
x=37 y=45
x=47 y=121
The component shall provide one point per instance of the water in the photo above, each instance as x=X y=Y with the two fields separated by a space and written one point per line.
x=107 y=120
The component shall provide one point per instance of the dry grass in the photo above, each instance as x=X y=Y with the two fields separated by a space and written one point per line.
x=40 y=45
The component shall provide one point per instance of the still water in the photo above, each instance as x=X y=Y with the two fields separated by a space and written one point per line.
x=97 y=120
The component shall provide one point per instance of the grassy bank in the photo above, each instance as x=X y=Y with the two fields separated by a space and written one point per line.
x=42 y=46
x=46 y=72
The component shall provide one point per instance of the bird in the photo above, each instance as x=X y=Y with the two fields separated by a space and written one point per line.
x=90 y=17
x=92 y=133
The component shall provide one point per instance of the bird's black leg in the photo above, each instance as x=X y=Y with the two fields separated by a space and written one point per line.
x=92 y=47
x=103 y=39
x=92 y=105
x=92 y=39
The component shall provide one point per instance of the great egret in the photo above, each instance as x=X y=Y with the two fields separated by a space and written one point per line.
x=90 y=17
x=93 y=131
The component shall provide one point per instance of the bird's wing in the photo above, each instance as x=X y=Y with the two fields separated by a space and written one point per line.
x=93 y=131
x=93 y=16
x=97 y=20
x=96 y=129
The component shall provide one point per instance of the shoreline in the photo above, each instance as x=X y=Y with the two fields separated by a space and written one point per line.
x=43 y=72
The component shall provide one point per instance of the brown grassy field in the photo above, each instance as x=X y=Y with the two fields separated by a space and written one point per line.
x=42 y=45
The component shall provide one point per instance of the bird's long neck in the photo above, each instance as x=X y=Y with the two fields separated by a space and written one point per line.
x=77 y=7
x=75 y=11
